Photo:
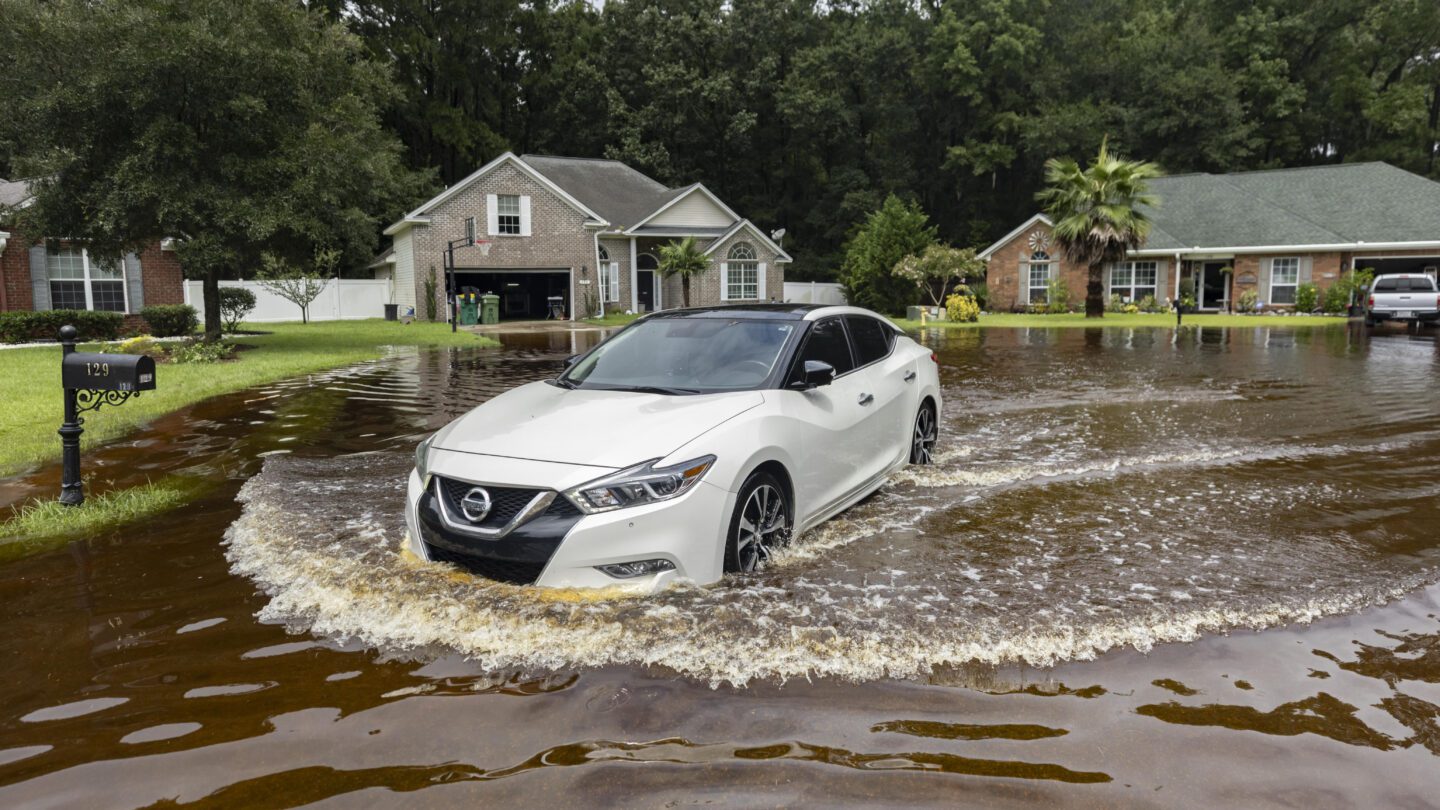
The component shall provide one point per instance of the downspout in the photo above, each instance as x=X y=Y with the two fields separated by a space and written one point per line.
x=598 y=271
x=4 y=301
x=1176 y=299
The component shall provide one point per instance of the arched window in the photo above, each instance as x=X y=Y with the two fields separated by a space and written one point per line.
x=742 y=273
x=1038 y=277
x=604 y=254
x=609 y=278
x=646 y=261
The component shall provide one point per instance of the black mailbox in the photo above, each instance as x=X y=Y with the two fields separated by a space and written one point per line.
x=107 y=372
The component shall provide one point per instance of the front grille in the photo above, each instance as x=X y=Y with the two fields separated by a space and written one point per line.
x=505 y=502
x=515 y=573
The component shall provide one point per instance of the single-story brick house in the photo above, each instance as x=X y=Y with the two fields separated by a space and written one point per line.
x=42 y=274
x=1274 y=229
x=585 y=230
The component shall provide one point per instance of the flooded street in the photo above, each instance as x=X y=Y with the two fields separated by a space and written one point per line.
x=1150 y=568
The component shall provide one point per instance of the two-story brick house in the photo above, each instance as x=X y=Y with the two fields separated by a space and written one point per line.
x=43 y=274
x=1262 y=231
x=585 y=231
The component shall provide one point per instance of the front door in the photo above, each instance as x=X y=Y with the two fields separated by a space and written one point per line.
x=1214 y=286
x=645 y=289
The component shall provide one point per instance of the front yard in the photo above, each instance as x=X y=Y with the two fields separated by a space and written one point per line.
x=1113 y=319
x=33 y=402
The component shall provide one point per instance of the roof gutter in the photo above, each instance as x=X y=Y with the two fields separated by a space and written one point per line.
x=1320 y=248
x=404 y=223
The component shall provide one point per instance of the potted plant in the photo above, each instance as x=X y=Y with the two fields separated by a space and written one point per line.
x=1186 y=302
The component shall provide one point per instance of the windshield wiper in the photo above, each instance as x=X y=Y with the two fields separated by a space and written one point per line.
x=656 y=389
x=561 y=382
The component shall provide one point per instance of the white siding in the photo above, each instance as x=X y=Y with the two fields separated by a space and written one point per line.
x=694 y=210
x=404 y=283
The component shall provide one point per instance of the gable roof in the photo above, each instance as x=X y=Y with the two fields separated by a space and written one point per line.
x=681 y=193
x=418 y=215
x=1337 y=207
x=780 y=255
x=616 y=191
x=14 y=193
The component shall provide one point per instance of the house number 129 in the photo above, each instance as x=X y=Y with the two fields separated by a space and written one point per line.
x=97 y=369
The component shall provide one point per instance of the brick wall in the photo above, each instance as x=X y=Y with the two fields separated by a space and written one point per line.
x=1002 y=274
x=161 y=277
x=558 y=240
x=15 y=271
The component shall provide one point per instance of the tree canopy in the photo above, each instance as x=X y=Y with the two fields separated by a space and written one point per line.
x=235 y=126
x=806 y=115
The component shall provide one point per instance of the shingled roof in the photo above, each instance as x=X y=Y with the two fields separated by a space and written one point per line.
x=1316 y=205
x=610 y=188
x=1336 y=206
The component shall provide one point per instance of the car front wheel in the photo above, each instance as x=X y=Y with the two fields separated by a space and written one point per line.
x=761 y=524
x=923 y=437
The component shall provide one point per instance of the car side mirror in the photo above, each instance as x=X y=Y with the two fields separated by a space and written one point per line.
x=815 y=374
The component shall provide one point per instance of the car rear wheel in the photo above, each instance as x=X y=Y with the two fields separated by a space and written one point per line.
x=924 y=436
x=761 y=524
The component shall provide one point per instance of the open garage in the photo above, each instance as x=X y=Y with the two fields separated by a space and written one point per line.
x=1400 y=264
x=524 y=294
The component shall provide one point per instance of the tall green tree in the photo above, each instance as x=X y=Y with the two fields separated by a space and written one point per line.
x=1097 y=213
x=896 y=230
x=685 y=259
x=235 y=126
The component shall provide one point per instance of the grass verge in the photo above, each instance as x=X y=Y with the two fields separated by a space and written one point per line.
x=33 y=401
x=41 y=524
x=1008 y=320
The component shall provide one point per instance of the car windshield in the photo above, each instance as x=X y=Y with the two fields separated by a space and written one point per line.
x=685 y=356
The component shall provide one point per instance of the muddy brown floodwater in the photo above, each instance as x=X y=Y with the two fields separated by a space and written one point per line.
x=1150 y=569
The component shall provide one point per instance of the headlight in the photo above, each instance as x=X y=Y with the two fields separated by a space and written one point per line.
x=422 y=459
x=641 y=484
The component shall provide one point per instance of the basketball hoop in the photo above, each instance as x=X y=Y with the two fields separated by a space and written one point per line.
x=484 y=245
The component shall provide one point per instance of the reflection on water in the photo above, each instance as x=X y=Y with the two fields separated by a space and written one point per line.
x=1098 y=490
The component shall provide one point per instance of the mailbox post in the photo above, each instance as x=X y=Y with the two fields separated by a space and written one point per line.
x=91 y=380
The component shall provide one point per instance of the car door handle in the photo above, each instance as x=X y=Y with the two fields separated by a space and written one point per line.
x=910 y=376
x=866 y=399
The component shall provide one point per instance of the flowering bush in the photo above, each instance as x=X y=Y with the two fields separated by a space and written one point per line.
x=1246 y=302
x=962 y=308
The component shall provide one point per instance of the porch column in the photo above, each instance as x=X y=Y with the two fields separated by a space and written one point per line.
x=634 y=278
x=1177 y=278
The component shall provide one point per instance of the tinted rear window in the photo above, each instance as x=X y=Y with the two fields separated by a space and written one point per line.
x=1416 y=284
x=827 y=344
x=871 y=338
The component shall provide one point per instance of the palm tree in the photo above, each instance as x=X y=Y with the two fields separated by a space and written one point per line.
x=683 y=259
x=1096 y=213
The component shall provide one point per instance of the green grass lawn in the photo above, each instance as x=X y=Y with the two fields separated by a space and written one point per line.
x=33 y=401
x=1007 y=320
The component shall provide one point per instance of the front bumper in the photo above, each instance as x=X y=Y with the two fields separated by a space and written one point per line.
x=688 y=531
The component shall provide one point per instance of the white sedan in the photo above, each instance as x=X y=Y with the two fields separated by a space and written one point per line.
x=689 y=444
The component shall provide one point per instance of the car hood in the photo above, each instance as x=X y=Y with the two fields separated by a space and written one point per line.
x=598 y=428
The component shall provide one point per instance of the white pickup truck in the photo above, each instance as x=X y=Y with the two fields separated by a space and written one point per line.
x=1403 y=297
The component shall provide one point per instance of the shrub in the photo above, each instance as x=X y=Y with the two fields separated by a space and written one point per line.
x=1057 y=296
x=896 y=230
x=1131 y=309
x=18 y=327
x=201 y=352
x=1187 y=292
x=1149 y=304
x=1115 y=303
x=980 y=291
x=171 y=320
x=1245 y=304
x=1306 y=296
x=430 y=287
x=141 y=344
x=1337 y=299
x=236 y=303
x=962 y=308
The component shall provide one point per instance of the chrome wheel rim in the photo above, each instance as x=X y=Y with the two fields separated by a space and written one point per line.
x=922 y=443
x=764 y=527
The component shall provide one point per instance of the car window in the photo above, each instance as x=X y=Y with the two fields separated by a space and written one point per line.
x=689 y=355
x=1419 y=284
x=870 y=338
x=1386 y=285
x=827 y=343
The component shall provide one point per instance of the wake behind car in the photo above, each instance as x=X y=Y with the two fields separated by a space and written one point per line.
x=1403 y=297
x=689 y=444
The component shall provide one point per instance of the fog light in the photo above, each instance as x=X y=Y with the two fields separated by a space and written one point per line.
x=639 y=568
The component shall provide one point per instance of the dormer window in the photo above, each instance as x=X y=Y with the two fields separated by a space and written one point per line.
x=507 y=214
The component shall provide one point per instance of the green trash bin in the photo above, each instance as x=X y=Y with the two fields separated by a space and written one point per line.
x=489 y=308
x=469 y=310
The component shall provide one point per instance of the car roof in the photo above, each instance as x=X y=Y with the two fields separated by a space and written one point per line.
x=774 y=312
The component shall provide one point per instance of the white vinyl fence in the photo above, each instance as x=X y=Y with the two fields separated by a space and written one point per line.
x=346 y=299
x=813 y=292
